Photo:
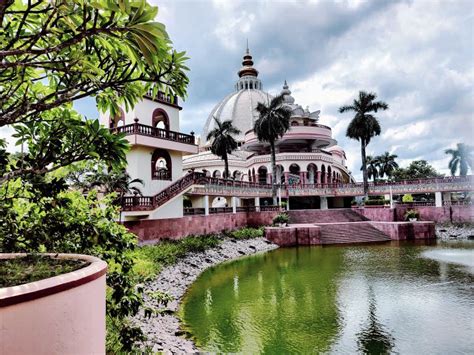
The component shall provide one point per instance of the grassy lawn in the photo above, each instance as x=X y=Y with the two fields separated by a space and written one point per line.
x=150 y=259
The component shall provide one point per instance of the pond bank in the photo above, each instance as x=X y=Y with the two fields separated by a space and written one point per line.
x=449 y=231
x=163 y=331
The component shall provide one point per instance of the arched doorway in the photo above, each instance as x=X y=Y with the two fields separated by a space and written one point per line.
x=161 y=165
x=311 y=174
x=216 y=174
x=262 y=175
x=160 y=119
x=323 y=174
x=294 y=177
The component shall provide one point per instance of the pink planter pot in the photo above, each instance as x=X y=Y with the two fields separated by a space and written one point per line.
x=64 y=314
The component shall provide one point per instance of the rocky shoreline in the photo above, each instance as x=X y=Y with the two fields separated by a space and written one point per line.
x=163 y=331
x=455 y=231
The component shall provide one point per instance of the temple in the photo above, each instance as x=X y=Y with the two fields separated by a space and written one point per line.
x=306 y=154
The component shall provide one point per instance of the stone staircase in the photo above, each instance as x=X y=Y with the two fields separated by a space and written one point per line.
x=325 y=216
x=351 y=232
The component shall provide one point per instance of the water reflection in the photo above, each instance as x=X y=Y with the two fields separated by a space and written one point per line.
x=374 y=339
x=373 y=299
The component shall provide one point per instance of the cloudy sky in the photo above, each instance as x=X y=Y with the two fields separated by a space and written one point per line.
x=416 y=55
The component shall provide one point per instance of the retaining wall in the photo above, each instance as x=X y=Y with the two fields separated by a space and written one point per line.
x=153 y=230
x=456 y=214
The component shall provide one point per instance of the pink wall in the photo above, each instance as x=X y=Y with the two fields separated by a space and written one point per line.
x=458 y=214
x=149 y=231
x=59 y=315
x=406 y=230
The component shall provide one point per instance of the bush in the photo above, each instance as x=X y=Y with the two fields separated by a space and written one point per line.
x=282 y=218
x=376 y=202
x=247 y=233
x=407 y=198
x=411 y=214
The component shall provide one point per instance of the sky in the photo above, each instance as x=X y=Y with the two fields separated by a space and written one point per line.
x=418 y=56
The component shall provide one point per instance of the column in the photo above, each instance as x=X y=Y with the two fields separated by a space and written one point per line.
x=288 y=203
x=438 y=199
x=234 y=204
x=257 y=204
x=324 y=203
x=287 y=177
x=328 y=178
x=269 y=178
x=206 y=205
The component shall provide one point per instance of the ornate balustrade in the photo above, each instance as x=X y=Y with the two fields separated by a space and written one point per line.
x=203 y=185
x=149 y=131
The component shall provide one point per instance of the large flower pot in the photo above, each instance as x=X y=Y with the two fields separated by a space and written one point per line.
x=64 y=314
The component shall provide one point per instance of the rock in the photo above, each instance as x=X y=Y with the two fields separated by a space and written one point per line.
x=453 y=236
x=470 y=237
x=241 y=252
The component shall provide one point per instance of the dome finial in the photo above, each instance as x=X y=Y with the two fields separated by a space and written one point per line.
x=247 y=64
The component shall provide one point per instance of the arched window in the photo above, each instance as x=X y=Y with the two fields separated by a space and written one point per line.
x=160 y=119
x=262 y=175
x=323 y=174
x=118 y=120
x=249 y=176
x=251 y=85
x=161 y=165
x=237 y=175
x=216 y=174
x=246 y=85
x=294 y=123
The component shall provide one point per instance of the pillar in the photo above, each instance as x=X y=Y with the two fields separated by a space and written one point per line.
x=287 y=177
x=257 y=204
x=206 y=205
x=324 y=202
x=269 y=178
x=318 y=177
x=288 y=203
x=438 y=199
x=328 y=178
x=234 y=204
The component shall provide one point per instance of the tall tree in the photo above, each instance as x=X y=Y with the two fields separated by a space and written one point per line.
x=461 y=159
x=223 y=142
x=272 y=124
x=364 y=126
x=372 y=167
x=387 y=164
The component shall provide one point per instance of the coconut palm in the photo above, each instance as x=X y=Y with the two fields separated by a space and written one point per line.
x=273 y=123
x=387 y=164
x=223 y=142
x=372 y=167
x=364 y=126
x=461 y=159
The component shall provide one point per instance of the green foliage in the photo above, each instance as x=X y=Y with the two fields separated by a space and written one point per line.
x=281 y=218
x=410 y=214
x=372 y=167
x=247 y=233
x=418 y=169
x=56 y=52
x=223 y=142
x=407 y=198
x=378 y=202
x=461 y=159
x=364 y=126
x=386 y=164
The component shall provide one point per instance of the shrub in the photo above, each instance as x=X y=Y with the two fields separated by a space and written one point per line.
x=407 y=198
x=247 y=233
x=376 y=202
x=282 y=218
x=411 y=214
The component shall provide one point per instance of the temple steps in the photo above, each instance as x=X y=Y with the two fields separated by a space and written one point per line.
x=342 y=233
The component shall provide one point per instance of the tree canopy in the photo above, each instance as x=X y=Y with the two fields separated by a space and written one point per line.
x=461 y=159
x=418 y=169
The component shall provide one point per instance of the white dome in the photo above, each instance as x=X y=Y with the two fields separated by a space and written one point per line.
x=239 y=107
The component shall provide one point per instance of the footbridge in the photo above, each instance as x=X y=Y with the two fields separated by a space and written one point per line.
x=198 y=184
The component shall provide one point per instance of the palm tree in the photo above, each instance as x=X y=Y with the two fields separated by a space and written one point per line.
x=364 y=126
x=387 y=164
x=119 y=182
x=460 y=158
x=223 y=142
x=273 y=123
x=372 y=167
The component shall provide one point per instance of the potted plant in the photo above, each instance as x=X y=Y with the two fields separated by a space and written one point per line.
x=281 y=220
x=412 y=215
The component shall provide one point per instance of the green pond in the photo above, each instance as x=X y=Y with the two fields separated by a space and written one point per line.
x=397 y=298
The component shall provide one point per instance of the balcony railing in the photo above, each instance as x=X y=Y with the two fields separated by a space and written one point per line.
x=149 y=131
x=162 y=97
